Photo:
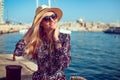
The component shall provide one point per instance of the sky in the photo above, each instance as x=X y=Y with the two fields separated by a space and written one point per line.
x=89 y=10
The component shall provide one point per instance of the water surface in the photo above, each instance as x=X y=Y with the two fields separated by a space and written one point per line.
x=95 y=55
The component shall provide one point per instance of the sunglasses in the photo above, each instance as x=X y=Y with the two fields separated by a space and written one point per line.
x=48 y=18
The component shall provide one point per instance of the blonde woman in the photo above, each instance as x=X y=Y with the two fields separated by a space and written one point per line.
x=49 y=47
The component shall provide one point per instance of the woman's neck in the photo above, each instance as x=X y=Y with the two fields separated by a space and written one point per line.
x=48 y=34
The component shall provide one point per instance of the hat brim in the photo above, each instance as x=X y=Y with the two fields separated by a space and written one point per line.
x=38 y=16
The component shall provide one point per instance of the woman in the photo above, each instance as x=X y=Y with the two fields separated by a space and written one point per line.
x=49 y=47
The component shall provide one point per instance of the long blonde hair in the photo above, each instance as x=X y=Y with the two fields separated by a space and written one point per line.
x=33 y=39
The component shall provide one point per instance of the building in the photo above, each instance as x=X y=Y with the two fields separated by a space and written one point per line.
x=1 y=11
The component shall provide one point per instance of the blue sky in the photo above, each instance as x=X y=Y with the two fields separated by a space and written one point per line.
x=90 y=10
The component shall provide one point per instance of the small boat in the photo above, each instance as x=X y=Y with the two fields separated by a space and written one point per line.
x=112 y=30
x=65 y=31
x=23 y=31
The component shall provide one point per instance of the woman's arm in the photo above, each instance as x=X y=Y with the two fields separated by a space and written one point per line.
x=19 y=49
x=64 y=51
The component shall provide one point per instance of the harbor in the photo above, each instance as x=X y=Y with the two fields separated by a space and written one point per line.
x=94 y=31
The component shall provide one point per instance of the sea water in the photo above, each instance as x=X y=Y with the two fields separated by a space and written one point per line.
x=95 y=55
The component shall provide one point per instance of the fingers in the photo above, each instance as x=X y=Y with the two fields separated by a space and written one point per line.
x=14 y=59
x=56 y=33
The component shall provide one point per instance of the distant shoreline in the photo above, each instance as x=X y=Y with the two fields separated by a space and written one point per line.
x=4 y=28
x=71 y=26
x=87 y=26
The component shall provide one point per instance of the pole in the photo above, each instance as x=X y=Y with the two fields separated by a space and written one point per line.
x=49 y=3
x=36 y=3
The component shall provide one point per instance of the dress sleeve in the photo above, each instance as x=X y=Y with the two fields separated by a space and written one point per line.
x=19 y=49
x=64 y=51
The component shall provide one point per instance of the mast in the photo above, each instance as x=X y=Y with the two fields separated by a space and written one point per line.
x=49 y=3
x=37 y=3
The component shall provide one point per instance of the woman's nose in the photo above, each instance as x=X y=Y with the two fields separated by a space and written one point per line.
x=51 y=19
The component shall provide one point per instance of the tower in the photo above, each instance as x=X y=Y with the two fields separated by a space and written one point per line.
x=1 y=11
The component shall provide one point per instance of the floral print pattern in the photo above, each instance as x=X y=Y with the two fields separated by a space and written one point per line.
x=50 y=66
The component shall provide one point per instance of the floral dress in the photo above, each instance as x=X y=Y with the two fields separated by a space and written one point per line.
x=50 y=66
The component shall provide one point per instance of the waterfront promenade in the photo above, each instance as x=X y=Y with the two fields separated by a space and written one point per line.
x=28 y=67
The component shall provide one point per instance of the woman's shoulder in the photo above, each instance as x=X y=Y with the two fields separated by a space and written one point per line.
x=21 y=41
x=64 y=36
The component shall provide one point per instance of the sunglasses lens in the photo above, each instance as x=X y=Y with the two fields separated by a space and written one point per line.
x=54 y=16
x=48 y=18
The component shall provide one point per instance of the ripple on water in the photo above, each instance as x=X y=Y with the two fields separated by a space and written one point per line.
x=95 y=55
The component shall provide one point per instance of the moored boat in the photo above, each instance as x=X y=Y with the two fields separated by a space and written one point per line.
x=23 y=31
x=112 y=30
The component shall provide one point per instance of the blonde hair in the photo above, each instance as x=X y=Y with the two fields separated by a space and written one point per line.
x=33 y=39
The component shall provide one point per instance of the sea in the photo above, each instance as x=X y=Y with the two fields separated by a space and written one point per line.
x=95 y=55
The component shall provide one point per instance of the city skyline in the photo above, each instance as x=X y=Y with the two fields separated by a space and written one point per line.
x=89 y=10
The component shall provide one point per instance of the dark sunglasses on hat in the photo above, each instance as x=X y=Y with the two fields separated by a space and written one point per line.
x=48 y=18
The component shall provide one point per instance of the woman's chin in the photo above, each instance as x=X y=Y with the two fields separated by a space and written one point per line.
x=52 y=28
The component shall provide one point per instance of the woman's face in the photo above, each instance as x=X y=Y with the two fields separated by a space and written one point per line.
x=49 y=21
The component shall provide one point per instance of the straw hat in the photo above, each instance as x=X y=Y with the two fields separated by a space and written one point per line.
x=40 y=11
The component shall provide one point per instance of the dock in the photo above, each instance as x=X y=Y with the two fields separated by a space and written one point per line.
x=28 y=67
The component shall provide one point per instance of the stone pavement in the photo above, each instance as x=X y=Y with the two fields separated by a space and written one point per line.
x=28 y=67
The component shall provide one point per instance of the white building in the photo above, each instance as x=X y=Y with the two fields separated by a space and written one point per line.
x=1 y=11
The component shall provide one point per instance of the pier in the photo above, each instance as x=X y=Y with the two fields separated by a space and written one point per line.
x=28 y=67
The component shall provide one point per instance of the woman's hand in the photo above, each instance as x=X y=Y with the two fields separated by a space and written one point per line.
x=14 y=59
x=56 y=33
x=56 y=38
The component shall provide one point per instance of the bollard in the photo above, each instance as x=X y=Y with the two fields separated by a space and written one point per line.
x=13 y=72
x=77 y=78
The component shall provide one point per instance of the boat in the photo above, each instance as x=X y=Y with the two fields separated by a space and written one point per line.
x=65 y=31
x=112 y=30
x=23 y=31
